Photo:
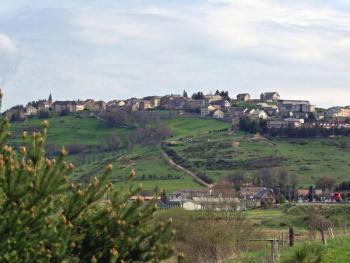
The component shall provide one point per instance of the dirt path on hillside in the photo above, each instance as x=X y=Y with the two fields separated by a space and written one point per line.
x=194 y=176
x=259 y=138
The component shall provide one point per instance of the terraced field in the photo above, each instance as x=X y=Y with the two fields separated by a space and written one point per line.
x=221 y=153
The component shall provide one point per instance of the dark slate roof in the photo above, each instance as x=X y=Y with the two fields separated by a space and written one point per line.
x=262 y=193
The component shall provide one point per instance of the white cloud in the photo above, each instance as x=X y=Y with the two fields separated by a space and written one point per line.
x=296 y=31
x=115 y=49
x=9 y=57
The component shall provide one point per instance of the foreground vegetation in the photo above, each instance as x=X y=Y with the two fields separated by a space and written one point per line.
x=45 y=217
x=336 y=251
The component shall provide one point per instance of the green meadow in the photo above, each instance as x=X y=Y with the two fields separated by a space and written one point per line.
x=207 y=145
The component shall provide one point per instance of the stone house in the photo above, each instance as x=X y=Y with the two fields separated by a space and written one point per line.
x=265 y=196
x=173 y=102
x=270 y=97
x=76 y=106
x=210 y=98
x=17 y=112
x=60 y=106
x=154 y=101
x=208 y=110
x=222 y=103
x=248 y=192
x=336 y=112
x=258 y=114
x=195 y=104
x=44 y=105
x=285 y=123
x=243 y=97
x=146 y=104
x=215 y=203
x=187 y=194
x=277 y=124
x=295 y=108
x=133 y=104
x=30 y=110
x=95 y=106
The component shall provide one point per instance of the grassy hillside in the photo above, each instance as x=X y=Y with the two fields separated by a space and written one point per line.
x=205 y=144
x=65 y=130
x=91 y=135
x=219 y=154
x=187 y=126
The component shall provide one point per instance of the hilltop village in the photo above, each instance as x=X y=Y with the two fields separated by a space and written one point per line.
x=270 y=111
x=268 y=115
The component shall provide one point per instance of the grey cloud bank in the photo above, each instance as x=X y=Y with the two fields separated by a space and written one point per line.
x=118 y=49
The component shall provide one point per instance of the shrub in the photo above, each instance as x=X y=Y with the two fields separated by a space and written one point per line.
x=44 y=217
x=307 y=253
x=211 y=236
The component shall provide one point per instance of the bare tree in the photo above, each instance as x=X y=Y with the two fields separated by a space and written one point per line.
x=326 y=183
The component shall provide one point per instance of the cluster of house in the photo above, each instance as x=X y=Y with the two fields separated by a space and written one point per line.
x=36 y=107
x=215 y=200
x=169 y=102
x=280 y=113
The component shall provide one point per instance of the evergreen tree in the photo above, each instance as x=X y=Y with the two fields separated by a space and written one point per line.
x=311 y=193
x=198 y=96
x=50 y=99
x=185 y=94
x=45 y=217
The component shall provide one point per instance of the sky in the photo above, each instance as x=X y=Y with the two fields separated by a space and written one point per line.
x=116 y=49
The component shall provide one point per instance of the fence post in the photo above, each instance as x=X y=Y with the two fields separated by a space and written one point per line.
x=291 y=236
x=274 y=250
x=324 y=242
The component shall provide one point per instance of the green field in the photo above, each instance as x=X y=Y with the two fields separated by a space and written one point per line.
x=222 y=153
x=65 y=130
x=151 y=167
x=206 y=144
x=273 y=222
x=337 y=251
x=195 y=127
x=267 y=224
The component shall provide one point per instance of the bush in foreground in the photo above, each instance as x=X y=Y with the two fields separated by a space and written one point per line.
x=44 y=217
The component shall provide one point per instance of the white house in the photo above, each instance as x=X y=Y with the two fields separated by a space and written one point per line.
x=218 y=114
x=191 y=205
x=258 y=114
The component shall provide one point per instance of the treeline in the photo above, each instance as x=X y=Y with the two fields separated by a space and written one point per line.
x=252 y=126
x=123 y=118
x=284 y=185
x=200 y=95
x=260 y=126
x=250 y=164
